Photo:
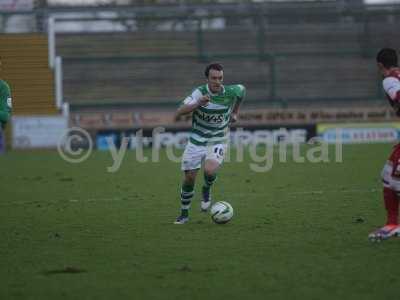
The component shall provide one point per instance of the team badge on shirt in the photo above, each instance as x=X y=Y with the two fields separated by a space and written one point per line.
x=9 y=102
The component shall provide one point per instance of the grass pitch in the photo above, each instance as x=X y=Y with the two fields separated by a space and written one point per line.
x=299 y=231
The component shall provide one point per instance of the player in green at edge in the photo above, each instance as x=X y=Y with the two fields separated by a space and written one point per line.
x=213 y=107
x=5 y=107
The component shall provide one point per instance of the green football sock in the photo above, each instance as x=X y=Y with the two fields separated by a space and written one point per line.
x=187 y=193
x=209 y=180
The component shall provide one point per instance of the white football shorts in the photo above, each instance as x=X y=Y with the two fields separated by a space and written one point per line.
x=194 y=155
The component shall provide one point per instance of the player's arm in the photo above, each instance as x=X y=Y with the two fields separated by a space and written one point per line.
x=391 y=85
x=5 y=105
x=239 y=100
x=192 y=102
x=4 y=116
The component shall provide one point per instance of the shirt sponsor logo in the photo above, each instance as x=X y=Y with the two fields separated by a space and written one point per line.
x=211 y=118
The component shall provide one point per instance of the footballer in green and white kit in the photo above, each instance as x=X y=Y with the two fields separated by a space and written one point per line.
x=213 y=107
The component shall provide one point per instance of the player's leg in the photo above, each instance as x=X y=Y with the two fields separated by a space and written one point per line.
x=2 y=142
x=191 y=163
x=391 y=228
x=187 y=193
x=214 y=159
x=391 y=191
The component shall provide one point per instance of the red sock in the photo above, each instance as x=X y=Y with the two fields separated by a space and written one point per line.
x=391 y=205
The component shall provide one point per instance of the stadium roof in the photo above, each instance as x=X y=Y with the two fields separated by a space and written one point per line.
x=108 y=2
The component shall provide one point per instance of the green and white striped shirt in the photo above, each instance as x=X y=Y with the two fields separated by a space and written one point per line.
x=210 y=123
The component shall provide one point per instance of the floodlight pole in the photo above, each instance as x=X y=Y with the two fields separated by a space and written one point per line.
x=51 y=41
x=58 y=81
x=55 y=62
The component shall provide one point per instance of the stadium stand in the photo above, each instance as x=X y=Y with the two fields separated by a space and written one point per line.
x=145 y=82
x=285 y=54
x=25 y=65
x=126 y=69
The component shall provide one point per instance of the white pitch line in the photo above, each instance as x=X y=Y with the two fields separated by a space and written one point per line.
x=254 y=194
x=94 y=199
x=313 y=192
x=350 y=191
x=307 y=193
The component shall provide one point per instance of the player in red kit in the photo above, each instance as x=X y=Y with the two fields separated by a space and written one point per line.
x=388 y=66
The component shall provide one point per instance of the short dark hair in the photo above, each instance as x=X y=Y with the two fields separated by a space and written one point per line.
x=213 y=66
x=387 y=57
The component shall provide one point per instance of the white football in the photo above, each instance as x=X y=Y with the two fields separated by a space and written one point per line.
x=221 y=212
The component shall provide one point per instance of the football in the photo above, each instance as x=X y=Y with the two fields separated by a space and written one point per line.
x=221 y=212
